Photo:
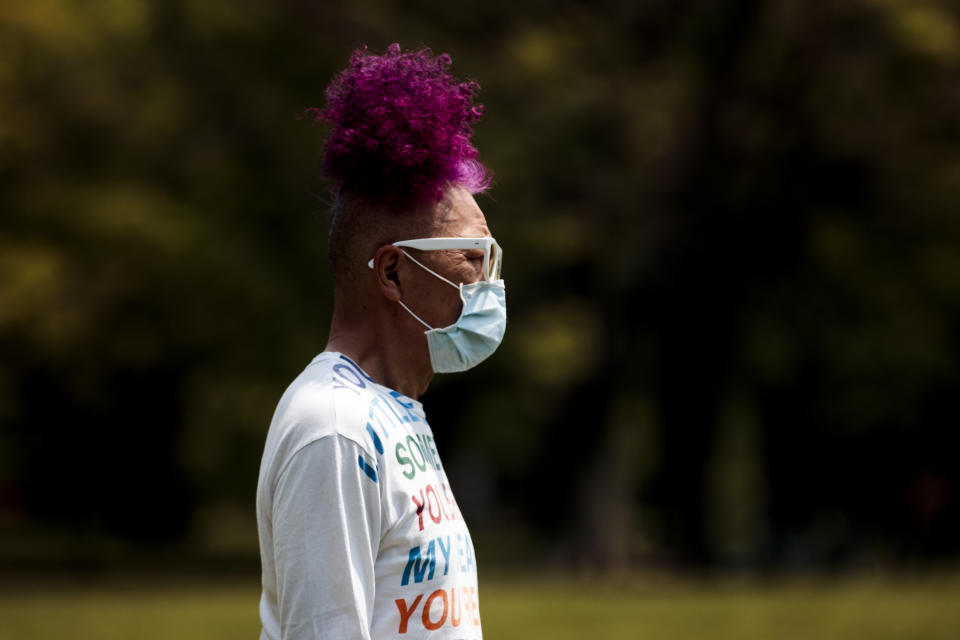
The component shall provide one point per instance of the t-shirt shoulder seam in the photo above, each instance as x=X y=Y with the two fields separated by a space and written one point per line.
x=301 y=447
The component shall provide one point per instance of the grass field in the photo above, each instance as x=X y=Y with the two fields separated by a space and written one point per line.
x=528 y=608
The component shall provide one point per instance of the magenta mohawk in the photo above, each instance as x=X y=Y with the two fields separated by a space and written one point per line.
x=401 y=128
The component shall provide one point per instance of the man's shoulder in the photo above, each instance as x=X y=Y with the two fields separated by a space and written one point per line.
x=329 y=397
x=333 y=397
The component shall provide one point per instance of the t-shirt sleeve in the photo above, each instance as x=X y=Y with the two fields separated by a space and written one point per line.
x=326 y=524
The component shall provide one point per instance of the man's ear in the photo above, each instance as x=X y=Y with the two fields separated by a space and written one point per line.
x=386 y=266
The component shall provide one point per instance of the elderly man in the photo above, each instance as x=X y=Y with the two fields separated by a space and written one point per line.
x=360 y=535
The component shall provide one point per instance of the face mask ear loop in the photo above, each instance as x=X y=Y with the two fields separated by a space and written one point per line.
x=429 y=270
x=400 y=302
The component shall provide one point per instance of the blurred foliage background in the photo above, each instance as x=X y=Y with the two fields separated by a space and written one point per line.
x=731 y=245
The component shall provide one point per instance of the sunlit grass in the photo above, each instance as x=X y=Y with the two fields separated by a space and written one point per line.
x=818 y=609
x=528 y=608
x=210 y=612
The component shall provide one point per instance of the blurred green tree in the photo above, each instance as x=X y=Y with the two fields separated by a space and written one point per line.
x=731 y=248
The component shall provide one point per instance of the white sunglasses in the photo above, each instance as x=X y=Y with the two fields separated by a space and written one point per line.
x=492 y=254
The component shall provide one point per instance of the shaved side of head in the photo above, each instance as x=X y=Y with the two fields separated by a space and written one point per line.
x=359 y=227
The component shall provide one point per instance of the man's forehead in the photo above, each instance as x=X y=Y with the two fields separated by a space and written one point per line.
x=459 y=215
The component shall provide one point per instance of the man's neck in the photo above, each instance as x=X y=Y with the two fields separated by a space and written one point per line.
x=378 y=346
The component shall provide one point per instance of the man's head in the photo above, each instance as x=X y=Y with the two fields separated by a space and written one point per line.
x=399 y=145
x=400 y=157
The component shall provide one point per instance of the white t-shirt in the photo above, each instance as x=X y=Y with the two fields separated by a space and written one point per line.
x=360 y=536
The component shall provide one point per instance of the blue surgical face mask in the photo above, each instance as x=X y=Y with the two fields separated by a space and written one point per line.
x=477 y=332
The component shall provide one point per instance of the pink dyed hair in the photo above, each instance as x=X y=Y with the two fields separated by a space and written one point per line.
x=401 y=127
